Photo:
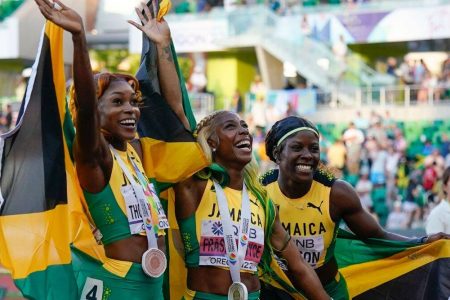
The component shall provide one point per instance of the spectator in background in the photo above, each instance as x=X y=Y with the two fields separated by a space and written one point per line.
x=420 y=70
x=391 y=66
x=378 y=132
x=392 y=160
x=397 y=218
x=439 y=218
x=447 y=160
x=414 y=200
x=258 y=113
x=198 y=80
x=304 y=26
x=389 y=123
x=378 y=169
x=290 y=110
x=364 y=190
x=336 y=155
x=258 y=88
x=237 y=104
x=340 y=48
x=353 y=139
x=436 y=161
x=400 y=144
x=360 y=122
x=405 y=72
x=445 y=145
x=374 y=118
x=427 y=146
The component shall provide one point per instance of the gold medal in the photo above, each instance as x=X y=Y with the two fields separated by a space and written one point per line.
x=154 y=262
x=237 y=291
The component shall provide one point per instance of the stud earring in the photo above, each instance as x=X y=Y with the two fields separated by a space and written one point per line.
x=213 y=149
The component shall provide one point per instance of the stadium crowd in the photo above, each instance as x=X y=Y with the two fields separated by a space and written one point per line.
x=395 y=167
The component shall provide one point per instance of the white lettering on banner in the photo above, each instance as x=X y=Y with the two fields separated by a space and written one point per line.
x=311 y=248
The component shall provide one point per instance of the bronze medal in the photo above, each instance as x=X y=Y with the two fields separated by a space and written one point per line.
x=237 y=291
x=154 y=262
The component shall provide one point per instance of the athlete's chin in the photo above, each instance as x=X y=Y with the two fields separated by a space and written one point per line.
x=304 y=176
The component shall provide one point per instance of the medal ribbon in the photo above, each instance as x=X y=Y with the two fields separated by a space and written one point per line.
x=236 y=253
x=152 y=197
x=144 y=205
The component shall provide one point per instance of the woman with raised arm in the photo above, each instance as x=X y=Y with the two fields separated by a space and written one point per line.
x=122 y=203
x=228 y=224
x=312 y=202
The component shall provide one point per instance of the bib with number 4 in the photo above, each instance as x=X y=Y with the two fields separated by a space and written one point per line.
x=92 y=290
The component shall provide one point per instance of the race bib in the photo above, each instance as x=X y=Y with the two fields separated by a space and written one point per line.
x=92 y=290
x=132 y=207
x=310 y=247
x=212 y=246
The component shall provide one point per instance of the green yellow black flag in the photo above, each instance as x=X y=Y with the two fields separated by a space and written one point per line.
x=37 y=182
x=380 y=269
x=178 y=156
x=376 y=269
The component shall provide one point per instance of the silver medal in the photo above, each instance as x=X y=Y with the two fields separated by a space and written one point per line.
x=154 y=262
x=237 y=291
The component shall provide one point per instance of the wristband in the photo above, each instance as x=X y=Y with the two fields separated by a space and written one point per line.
x=286 y=243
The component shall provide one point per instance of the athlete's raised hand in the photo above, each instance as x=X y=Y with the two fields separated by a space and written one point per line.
x=156 y=30
x=61 y=15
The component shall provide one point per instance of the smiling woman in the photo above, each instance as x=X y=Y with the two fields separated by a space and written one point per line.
x=122 y=203
x=312 y=203
x=223 y=204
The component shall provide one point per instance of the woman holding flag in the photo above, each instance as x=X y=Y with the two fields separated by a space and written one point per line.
x=312 y=202
x=223 y=204
x=122 y=203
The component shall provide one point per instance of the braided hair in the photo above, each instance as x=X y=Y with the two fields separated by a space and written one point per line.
x=205 y=130
x=280 y=131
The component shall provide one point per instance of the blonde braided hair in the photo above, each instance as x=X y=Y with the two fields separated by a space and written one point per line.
x=205 y=130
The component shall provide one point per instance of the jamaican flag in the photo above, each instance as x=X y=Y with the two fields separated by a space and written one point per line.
x=37 y=182
x=381 y=269
x=170 y=153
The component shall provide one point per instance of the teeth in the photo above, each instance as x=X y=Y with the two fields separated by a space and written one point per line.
x=128 y=122
x=303 y=167
x=243 y=144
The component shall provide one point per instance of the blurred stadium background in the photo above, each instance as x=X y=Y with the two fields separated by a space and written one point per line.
x=373 y=75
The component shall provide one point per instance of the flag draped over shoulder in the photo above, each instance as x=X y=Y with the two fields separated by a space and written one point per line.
x=36 y=182
x=381 y=269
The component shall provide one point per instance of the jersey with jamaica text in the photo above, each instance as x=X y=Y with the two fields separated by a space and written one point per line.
x=307 y=220
x=210 y=231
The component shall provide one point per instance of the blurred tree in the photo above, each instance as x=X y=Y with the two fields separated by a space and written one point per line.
x=114 y=60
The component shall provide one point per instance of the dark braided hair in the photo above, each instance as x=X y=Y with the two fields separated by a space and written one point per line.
x=282 y=127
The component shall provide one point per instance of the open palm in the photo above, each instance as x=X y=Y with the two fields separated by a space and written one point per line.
x=64 y=16
x=157 y=31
